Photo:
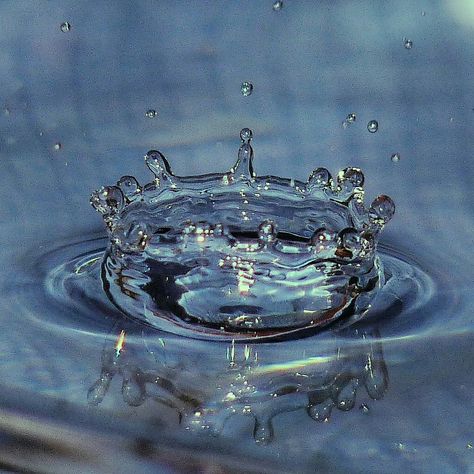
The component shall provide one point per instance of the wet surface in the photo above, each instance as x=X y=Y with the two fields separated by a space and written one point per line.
x=395 y=388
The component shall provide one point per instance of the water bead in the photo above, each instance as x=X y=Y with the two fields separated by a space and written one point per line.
x=107 y=200
x=246 y=134
x=319 y=178
x=129 y=186
x=150 y=113
x=266 y=231
x=57 y=146
x=277 y=5
x=373 y=126
x=65 y=27
x=408 y=43
x=352 y=176
x=351 y=118
x=381 y=210
x=157 y=163
x=395 y=158
x=246 y=88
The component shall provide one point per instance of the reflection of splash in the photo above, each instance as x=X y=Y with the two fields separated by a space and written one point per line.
x=256 y=380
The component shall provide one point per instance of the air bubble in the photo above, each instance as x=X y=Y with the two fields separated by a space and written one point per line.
x=395 y=157
x=65 y=27
x=373 y=126
x=246 y=88
x=408 y=43
x=246 y=134
x=381 y=210
x=151 y=113
x=278 y=5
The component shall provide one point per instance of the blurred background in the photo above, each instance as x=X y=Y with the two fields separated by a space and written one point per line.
x=74 y=102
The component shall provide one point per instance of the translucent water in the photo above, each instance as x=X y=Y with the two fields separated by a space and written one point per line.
x=239 y=252
x=86 y=387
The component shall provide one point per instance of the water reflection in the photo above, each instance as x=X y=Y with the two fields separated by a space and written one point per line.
x=209 y=383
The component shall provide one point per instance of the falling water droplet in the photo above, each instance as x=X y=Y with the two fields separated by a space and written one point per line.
x=381 y=210
x=246 y=88
x=423 y=13
x=57 y=146
x=150 y=113
x=246 y=134
x=364 y=408
x=278 y=5
x=408 y=43
x=395 y=157
x=65 y=27
x=373 y=126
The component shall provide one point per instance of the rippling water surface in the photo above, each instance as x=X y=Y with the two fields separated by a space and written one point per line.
x=389 y=392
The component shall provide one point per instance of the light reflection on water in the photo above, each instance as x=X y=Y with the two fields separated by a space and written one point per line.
x=307 y=78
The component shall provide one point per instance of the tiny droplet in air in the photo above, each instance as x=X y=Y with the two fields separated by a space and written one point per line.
x=373 y=126
x=65 y=27
x=246 y=88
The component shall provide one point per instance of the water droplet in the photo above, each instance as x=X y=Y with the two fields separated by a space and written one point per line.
x=395 y=157
x=321 y=411
x=423 y=13
x=57 y=146
x=381 y=210
x=349 y=239
x=352 y=177
x=278 y=5
x=65 y=27
x=150 y=113
x=364 y=408
x=158 y=165
x=408 y=43
x=373 y=126
x=266 y=231
x=469 y=446
x=322 y=239
x=246 y=134
x=129 y=186
x=246 y=88
x=107 y=200
x=319 y=178
x=351 y=118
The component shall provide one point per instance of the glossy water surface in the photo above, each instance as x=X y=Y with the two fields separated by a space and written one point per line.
x=388 y=393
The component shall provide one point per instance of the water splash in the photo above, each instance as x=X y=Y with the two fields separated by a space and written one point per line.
x=240 y=253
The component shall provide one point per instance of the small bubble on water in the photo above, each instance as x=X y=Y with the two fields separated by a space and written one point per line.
x=57 y=146
x=364 y=408
x=277 y=6
x=246 y=134
x=395 y=157
x=246 y=88
x=373 y=126
x=408 y=43
x=65 y=27
x=151 y=113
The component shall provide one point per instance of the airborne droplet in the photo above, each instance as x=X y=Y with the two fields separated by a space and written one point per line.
x=278 y=5
x=373 y=126
x=408 y=43
x=246 y=134
x=151 y=113
x=246 y=88
x=65 y=27
x=395 y=157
